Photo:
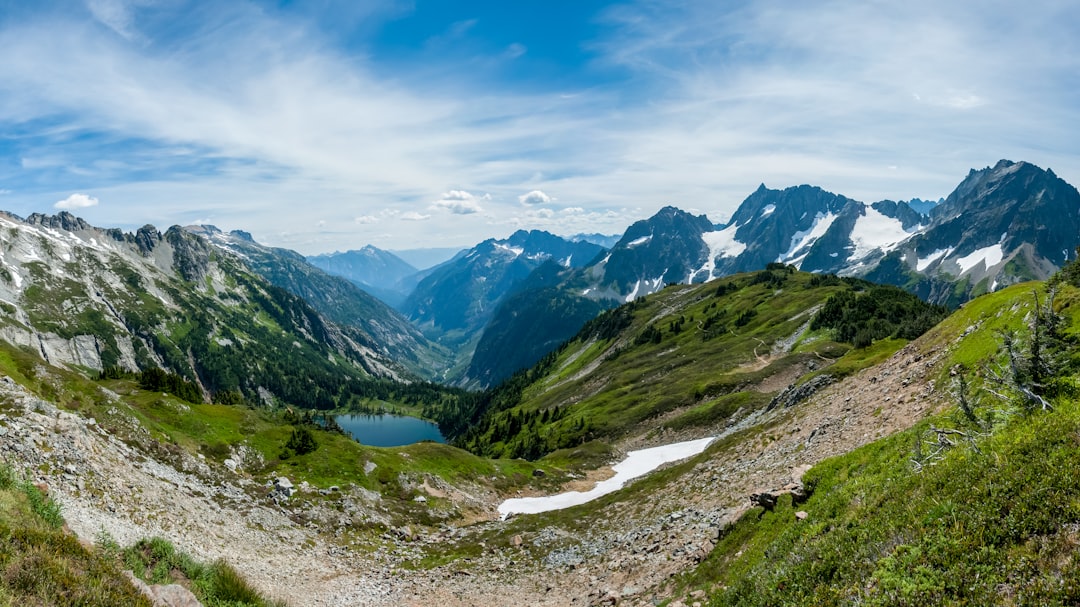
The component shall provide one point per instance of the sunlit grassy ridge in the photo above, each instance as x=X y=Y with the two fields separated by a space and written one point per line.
x=695 y=355
x=992 y=522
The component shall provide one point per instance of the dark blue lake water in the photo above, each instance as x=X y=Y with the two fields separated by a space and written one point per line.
x=387 y=430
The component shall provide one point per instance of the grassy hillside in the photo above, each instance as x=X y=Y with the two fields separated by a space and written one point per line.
x=694 y=356
x=169 y=428
x=975 y=506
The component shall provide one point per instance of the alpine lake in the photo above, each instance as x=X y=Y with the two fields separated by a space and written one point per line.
x=389 y=430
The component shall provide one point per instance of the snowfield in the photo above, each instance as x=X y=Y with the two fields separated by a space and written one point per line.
x=992 y=255
x=637 y=463
x=873 y=230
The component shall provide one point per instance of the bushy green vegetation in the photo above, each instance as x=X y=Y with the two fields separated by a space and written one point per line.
x=981 y=527
x=867 y=313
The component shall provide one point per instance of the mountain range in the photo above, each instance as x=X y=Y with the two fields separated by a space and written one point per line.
x=504 y=303
x=374 y=270
x=1002 y=224
x=849 y=424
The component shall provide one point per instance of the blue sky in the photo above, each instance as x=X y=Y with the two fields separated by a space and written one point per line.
x=326 y=125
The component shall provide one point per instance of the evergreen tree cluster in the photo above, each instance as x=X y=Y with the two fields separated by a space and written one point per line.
x=155 y=379
x=526 y=434
x=301 y=442
x=860 y=317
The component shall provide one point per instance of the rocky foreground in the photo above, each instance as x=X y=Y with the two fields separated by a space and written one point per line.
x=132 y=488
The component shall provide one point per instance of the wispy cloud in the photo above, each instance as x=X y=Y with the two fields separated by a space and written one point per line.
x=695 y=104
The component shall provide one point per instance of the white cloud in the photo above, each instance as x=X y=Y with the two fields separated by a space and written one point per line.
x=366 y=219
x=4 y=192
x=76 y=201
x=515 y=50
x=117 y=15
x=414 y=216
x=540 y=213
x=572 y=210
x=535 y=197
x=459 y=202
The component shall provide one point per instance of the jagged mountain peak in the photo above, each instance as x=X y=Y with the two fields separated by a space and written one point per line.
x=793 y=202
x=96 y=298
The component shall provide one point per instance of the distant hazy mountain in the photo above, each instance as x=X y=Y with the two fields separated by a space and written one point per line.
x=424 y=259
x=605 y=240
x=379 y=272
x=923 y=207
x=338 y=299
x=456 y=300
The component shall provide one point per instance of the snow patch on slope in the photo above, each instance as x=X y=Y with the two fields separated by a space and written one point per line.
x=637 y=241
x=922 y=264
x=650 y=286
x=721 y=243
x=873 y=230
x=768 y=210
x=805 y=238
x=991 y=255
x=637 y=463
x=515 y=250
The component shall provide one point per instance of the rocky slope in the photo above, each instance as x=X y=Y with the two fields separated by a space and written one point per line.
x=386 y=331
x=93 y=298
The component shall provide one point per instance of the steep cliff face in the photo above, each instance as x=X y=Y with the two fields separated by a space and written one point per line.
x=94 y=298
x=376 y=325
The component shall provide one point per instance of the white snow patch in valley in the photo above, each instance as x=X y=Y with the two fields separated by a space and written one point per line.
x=637 y=463
x=768 y=210
x=992 y=255
x=922 y=264
x=876 y=231
x=805 y=238
x=635 y=242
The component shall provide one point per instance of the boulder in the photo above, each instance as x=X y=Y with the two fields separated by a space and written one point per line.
x=165 y=595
